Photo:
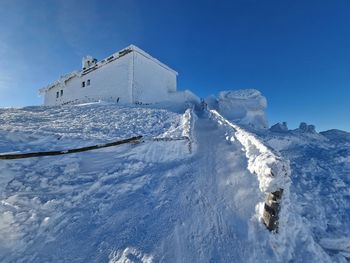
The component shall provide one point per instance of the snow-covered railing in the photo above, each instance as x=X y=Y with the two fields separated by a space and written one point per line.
x=13 y=156
x=188 y=120
x=272 y=170
x=187 y=124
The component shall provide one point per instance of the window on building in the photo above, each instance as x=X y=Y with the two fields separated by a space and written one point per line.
x=57 y=94
x=61 y=92
x=83 y=84
x=88 y=82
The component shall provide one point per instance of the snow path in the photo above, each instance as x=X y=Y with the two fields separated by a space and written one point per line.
x=221 y=198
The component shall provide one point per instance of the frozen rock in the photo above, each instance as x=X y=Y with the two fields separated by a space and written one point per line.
x=279 y=127
x=304 y=127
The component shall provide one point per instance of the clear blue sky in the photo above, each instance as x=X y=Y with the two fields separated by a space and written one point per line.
x=297 y=53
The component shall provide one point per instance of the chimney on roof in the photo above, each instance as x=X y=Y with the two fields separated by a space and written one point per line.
x=88 y=61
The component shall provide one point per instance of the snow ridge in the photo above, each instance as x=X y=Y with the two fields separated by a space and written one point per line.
x=188 y=120
x=272 y=171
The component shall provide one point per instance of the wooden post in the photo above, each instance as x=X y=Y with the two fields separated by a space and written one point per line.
x=271 y=210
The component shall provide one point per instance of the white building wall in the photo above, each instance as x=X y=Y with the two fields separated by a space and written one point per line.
x=152 y=82
x=110 y=82
x=50 y=96
x=133 y=77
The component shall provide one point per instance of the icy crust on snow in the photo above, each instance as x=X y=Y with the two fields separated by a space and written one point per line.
x=55 y=128
x=320 y=185
x=245 y=107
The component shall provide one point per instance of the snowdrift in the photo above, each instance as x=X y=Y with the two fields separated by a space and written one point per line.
x=245 y=107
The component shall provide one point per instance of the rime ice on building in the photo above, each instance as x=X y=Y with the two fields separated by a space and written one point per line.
x=128 y=76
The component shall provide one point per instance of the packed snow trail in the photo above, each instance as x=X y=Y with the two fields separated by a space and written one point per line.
x=222 y=197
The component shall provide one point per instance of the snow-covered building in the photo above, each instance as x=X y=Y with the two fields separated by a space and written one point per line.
x=127 y=76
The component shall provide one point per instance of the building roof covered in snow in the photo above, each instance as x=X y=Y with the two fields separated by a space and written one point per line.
x=98 y=64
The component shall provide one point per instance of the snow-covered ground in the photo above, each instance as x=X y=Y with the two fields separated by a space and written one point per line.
x=320 y=185
x=165 y=200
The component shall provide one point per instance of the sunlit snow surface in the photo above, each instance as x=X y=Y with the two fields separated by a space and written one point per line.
x=157 y=201
x=320 y=184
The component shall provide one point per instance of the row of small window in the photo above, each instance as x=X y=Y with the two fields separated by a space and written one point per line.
x=58 y=93
x=87 y=83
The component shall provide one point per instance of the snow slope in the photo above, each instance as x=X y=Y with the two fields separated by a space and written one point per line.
x=320 y=190
x=162 y=200
x=245 y=107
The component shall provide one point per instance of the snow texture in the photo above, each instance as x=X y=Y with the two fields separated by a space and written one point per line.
x=320 y=184
x=245 y=107
x=156 y=201
x=272 y=171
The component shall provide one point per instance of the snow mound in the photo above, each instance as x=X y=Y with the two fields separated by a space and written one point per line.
x=185 y=96
x=245 y=107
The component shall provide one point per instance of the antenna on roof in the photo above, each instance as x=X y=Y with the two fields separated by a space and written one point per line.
x=88 y=61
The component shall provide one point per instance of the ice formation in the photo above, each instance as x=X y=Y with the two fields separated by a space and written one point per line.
x=245 y=107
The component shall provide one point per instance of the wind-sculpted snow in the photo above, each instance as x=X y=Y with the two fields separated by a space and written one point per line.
x=94 y=205
x=154 y=201
x=245 y=107
x=320 y=185
x=45 y=128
